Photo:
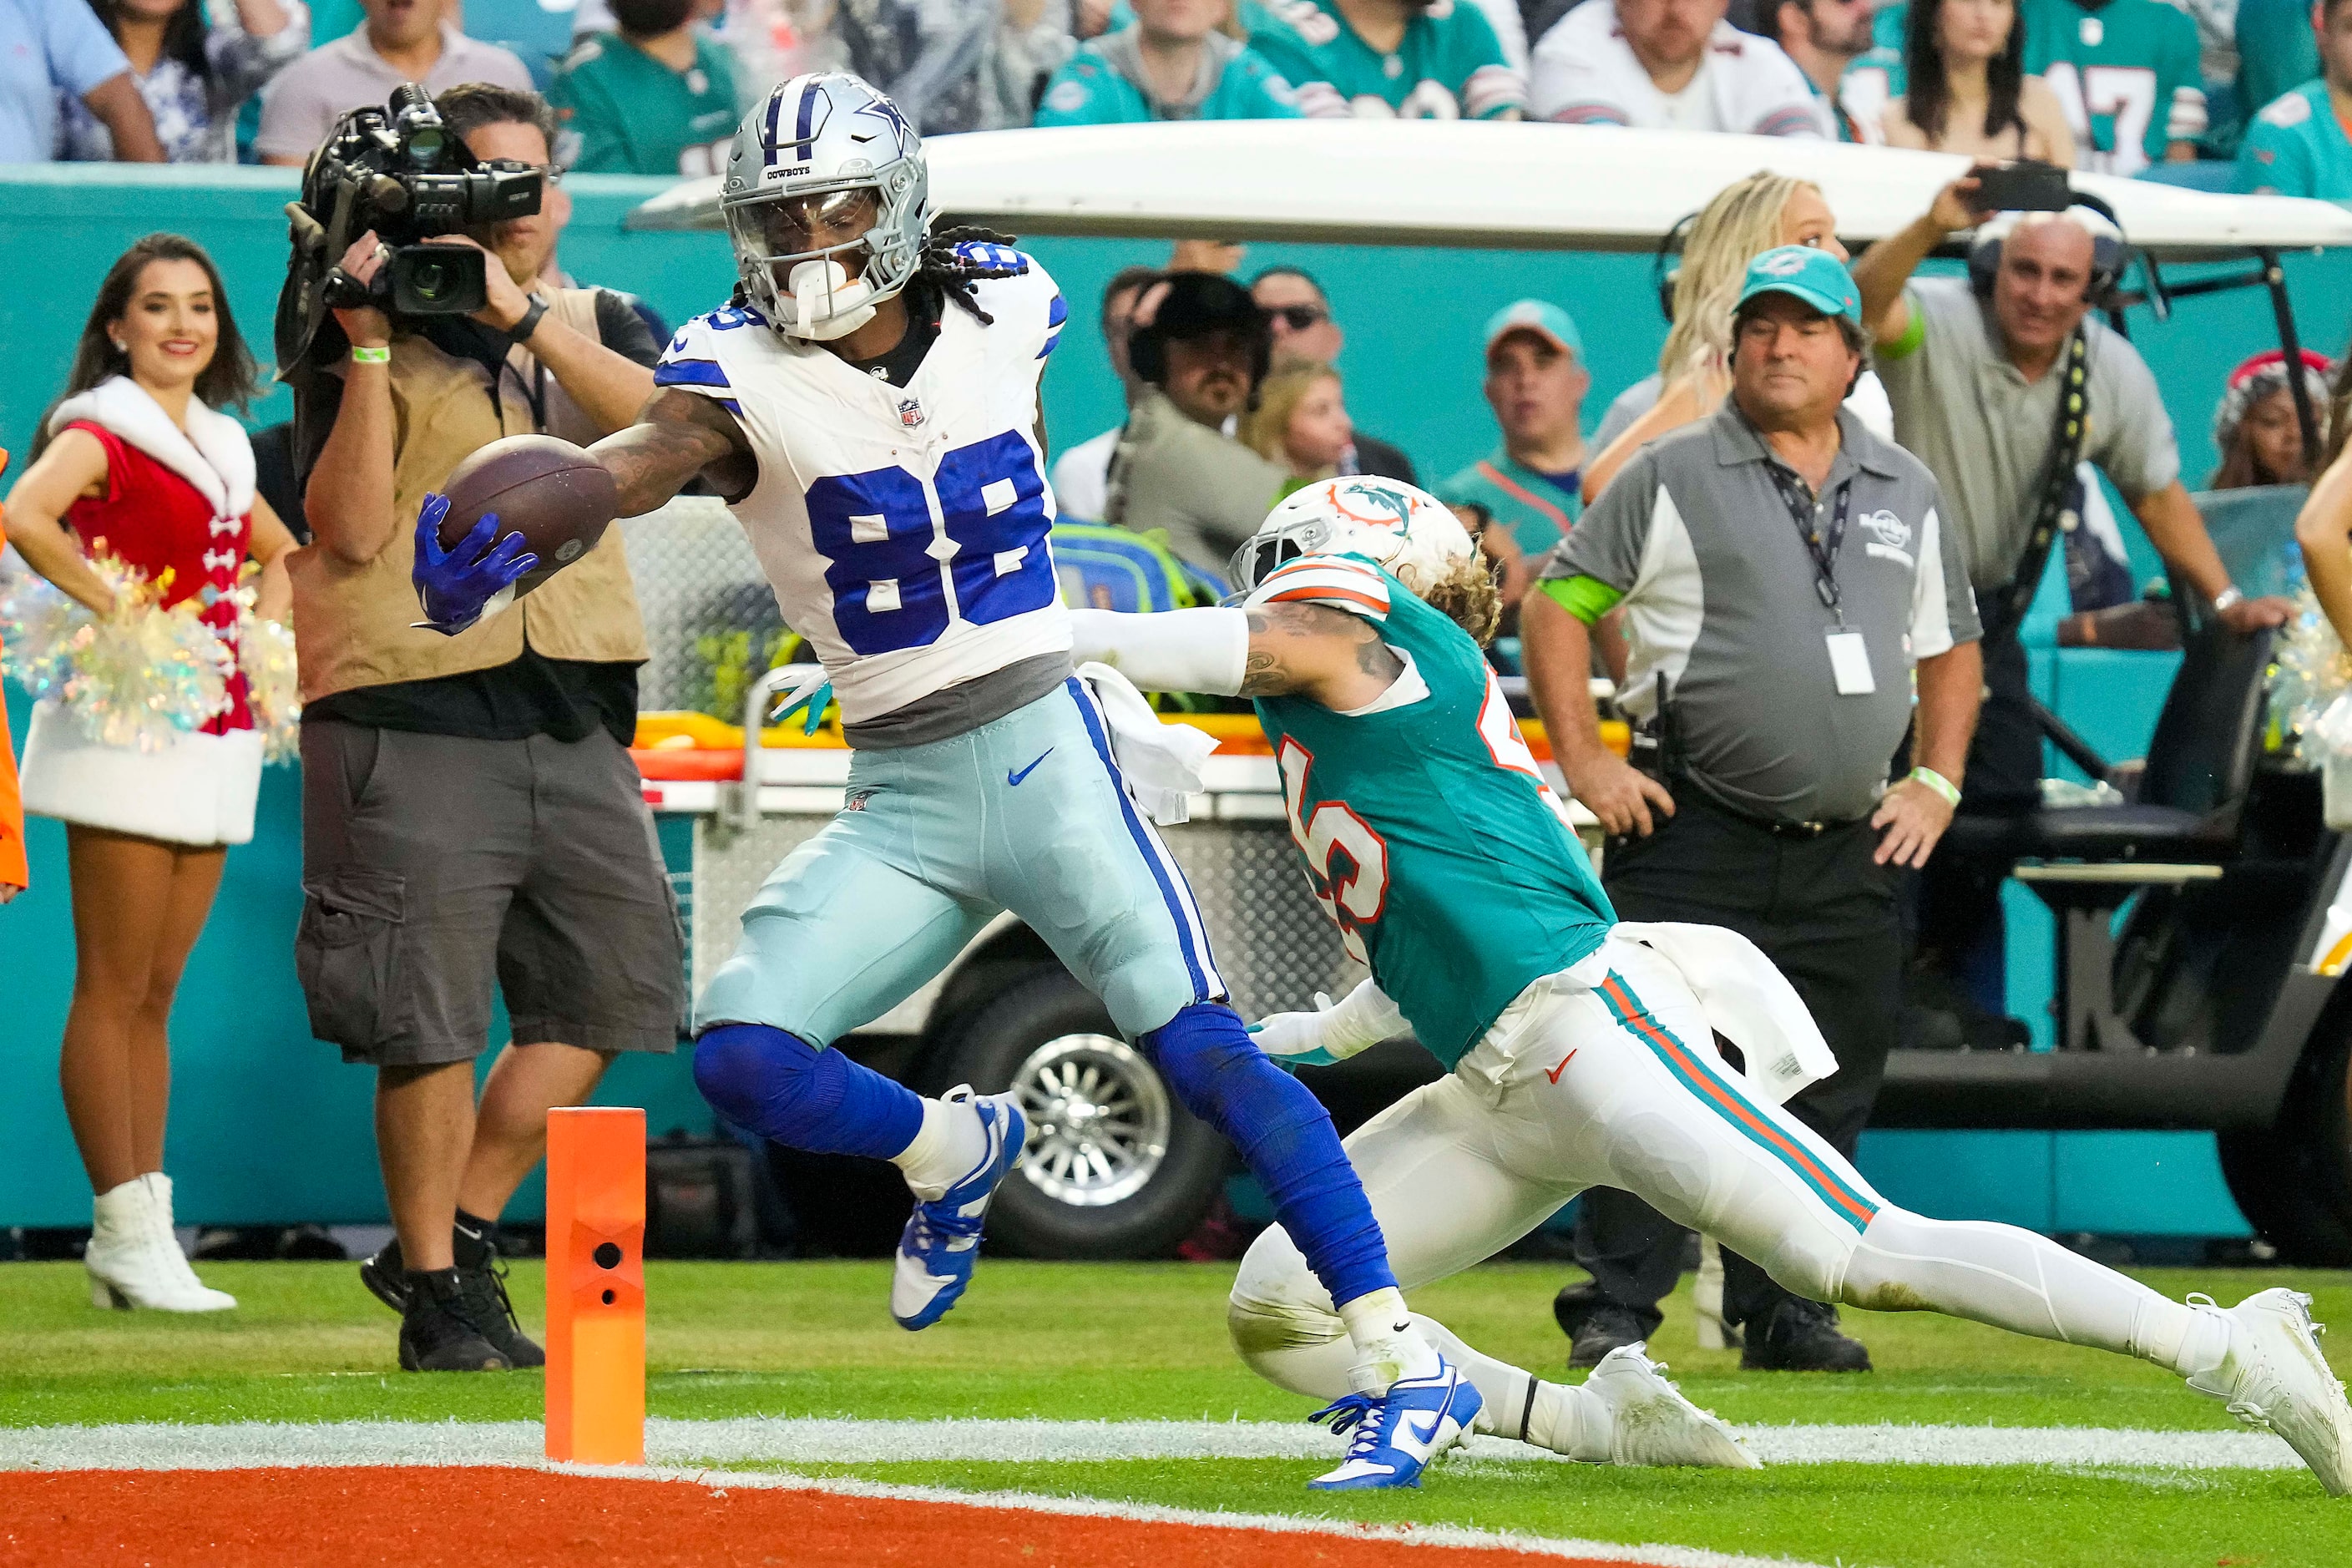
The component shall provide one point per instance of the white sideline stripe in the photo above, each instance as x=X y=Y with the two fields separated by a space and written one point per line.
x=803 y=1440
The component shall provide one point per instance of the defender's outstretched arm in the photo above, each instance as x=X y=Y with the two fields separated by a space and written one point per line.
x=678 y=435
x=1266 y=650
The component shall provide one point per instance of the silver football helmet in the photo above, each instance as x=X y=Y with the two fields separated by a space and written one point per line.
x=825 y=170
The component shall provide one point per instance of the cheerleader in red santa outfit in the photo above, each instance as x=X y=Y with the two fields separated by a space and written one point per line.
x=139 y=462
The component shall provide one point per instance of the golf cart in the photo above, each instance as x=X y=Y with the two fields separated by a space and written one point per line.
x=2201 y=927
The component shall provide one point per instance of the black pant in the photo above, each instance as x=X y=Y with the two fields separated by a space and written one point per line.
x=1960 y=927
x=1827 y=916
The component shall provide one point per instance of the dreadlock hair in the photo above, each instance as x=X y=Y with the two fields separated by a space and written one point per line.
x=958 y=277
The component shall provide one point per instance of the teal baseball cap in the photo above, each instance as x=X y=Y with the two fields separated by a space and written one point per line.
x=1816 y=277
x=1541 y=317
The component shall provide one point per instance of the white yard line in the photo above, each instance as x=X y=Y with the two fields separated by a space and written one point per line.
x=813 y=1441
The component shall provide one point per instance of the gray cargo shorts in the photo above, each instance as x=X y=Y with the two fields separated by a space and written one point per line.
x=434 y=867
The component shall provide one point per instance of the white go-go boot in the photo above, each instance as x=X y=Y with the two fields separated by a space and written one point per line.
x=133 y=1258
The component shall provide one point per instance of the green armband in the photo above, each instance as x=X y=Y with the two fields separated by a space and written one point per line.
x=1905 y=344
x=1586 y=598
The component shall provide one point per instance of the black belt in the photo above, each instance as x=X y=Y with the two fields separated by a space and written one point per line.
x=1679 y=781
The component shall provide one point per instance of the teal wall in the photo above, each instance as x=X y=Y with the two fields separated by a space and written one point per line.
x=269 y=1126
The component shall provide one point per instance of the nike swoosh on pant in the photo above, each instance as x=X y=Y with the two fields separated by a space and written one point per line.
x=1553 y=1073
x=1014 y=779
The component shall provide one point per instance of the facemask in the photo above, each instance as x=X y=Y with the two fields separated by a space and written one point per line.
x=819 y=286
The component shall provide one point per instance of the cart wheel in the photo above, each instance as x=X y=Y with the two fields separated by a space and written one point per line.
x=2295 y=1180
x=1114 y=1166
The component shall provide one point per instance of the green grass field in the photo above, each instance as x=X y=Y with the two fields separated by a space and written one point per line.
x=1124 y=1343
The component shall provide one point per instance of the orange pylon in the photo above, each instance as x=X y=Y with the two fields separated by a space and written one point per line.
x=596 y=1285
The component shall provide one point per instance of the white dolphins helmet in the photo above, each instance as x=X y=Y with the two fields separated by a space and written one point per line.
x=1412 y=533
x=825 y=165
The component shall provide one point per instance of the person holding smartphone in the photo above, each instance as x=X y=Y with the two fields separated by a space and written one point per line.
x=1975 y=369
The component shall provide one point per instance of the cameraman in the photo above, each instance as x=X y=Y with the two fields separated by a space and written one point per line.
x=471 y=814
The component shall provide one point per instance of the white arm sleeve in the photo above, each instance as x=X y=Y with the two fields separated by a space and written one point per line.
x=1174 y=650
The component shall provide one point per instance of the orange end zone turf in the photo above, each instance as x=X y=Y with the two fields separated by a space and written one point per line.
x=359 y=1516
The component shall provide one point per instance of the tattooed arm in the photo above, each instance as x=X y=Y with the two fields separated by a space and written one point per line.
x=678 y=435
x=1325 y=655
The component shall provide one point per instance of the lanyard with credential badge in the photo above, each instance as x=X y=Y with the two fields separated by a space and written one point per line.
x=1806 y=513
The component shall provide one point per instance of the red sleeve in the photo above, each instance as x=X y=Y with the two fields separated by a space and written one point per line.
x=114 y=451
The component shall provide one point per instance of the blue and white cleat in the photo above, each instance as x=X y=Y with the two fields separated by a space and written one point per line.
x=941 y=1241
x=1400 y=1432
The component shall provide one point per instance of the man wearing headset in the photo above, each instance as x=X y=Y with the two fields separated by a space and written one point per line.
x=1978 y=370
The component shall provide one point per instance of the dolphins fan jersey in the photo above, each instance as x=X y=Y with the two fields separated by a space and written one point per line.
x=1431 y=838
x=1449 y=65
x=904 y=529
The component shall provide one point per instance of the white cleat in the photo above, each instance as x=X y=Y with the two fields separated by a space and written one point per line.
x=133 y=1258
x=1652 y=1424
x=2274 y=1378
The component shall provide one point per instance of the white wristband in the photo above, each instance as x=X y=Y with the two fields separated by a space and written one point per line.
x=1940 y=783
x=1173 y=650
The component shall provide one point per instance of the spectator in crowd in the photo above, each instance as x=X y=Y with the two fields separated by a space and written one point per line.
x=654 y=96
x=194 y=74
x=1966 y=89
x=2323 y=530
x=50 y=51
x=396 y=41
x=1174 y=63
x=1741 y=222
x=1298 y=313
x=1765 y=807
x=975 y=66
x=470 y=798
x=1201 y=349
x=2145 y=43
x=2257 y=428
x=1823 y=37
x=1379 y=59
x=138 y=461
x=2301 y=142
x=1670 y=65
x=1082 y=474
x=1301 y=421
x=2278 y=51
x=1980 y=370
x=2217 y=70
x=1536 y=383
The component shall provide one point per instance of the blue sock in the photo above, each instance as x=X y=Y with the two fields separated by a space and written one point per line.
x=1285 y=1136
x=781 y=1087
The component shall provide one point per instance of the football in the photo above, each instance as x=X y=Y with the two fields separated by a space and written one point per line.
x=552 y=492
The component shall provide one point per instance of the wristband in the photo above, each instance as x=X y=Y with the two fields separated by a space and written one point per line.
x=370 y=356
x=1940 y=783
x=2227 y=597
x=521 y=331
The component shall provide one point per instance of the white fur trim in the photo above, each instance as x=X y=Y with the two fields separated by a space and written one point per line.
x=213 y=453
x=199 y=790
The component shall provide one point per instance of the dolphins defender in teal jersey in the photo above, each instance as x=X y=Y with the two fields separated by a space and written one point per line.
x=1581 y=1048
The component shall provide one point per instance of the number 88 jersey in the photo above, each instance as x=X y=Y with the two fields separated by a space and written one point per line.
x=903 y=528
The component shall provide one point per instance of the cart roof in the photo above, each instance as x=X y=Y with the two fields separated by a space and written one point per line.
x=1454 y=182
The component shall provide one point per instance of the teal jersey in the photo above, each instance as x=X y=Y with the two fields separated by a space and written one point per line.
x=2297 y=147
x=1090 y=91
x=2276 y=51
x=1430 y=836
x=1875 y=79
x=619 y=111
x=1886 y=27
x=1526 y=500
x=1450 y=64
x=2127 y=74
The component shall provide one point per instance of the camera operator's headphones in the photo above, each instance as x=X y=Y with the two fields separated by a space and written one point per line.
x=2110 y=251
x=1666 y=264
x=1196 y=305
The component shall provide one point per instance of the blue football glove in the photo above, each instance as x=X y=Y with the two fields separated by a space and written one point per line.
x=455 y=586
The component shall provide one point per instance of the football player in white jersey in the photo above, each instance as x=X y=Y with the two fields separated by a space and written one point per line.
x=867 y=405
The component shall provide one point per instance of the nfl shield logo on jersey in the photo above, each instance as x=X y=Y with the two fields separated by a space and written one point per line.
x=911 y=413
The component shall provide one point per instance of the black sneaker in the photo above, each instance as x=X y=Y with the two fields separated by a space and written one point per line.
x=438 y=1328
x=1802 y=1336
x=489 y=1307
x=386 y=1275
x=1599 y=1328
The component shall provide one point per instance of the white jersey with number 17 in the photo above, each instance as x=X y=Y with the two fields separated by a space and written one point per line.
x=904 y=529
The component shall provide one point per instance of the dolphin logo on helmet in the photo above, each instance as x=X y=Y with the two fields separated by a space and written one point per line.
x=1410 y=533
x=827 y=203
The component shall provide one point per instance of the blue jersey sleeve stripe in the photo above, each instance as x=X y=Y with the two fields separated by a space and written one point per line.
x=731 y=406
x=1050 y=342
x=1057 y=313
x=691 y=373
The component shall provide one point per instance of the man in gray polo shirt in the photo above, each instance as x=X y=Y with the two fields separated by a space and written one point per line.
x=398 y=41
x=1784 y=574
x=1976 y=368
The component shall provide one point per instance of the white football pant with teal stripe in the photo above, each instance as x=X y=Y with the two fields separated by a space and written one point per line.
x=1025 y=814
x=1607 y=1075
